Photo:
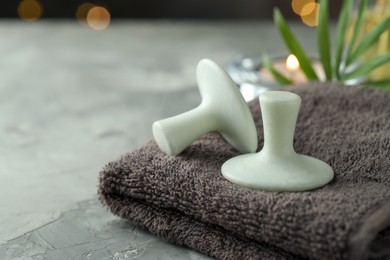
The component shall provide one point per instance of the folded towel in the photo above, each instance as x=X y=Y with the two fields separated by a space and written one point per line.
x=186 y=200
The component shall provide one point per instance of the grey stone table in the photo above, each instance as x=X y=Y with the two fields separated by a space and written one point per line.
x=72 y=99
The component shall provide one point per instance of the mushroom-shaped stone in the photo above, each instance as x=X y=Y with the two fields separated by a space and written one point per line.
x=222 y=109
x=277 y=167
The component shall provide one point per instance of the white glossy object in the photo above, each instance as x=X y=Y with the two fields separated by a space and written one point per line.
x=277 y=167
x=222 y=109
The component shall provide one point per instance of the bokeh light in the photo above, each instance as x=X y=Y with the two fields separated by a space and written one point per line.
x=312 y=18
x=98 y=18
x=292 y=62
x=308 y=9
x=30 y=10
x=82 y=12
x=298 y=6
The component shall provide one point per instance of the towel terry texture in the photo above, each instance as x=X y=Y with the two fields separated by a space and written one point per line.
x=186 y=200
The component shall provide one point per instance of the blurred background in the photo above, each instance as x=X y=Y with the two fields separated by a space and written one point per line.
x=82 y=81
x=98 y=14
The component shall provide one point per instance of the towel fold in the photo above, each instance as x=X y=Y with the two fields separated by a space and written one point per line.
x=186 y=200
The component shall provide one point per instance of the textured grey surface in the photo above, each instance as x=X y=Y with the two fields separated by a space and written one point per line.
x=90 y=232
x=72 y=99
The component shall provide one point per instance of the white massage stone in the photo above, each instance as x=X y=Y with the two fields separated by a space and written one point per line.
x=222 y=109
x=277 y=167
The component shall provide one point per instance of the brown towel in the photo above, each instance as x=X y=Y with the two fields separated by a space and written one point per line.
x=186 y=200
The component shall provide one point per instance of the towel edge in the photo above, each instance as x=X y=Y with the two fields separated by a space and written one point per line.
x=372 y=224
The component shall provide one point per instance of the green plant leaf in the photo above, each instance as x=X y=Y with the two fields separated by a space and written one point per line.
x=323 y=39
x=368 y=66
x=340 y=35
x=293 y=45
x=282 y=80
x=357 y=28
x=370 y=38
x=384 y=84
